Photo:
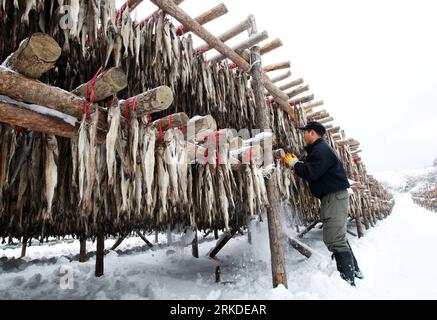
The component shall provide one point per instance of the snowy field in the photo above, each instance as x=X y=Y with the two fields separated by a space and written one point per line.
x=398 y=258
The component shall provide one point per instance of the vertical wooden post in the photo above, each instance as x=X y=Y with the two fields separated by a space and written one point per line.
x=100 y=254
x=195 y=245
x=23 y=247
x=169 y=236
x=216 y=234
x=249 y=230
x=156 y=236
x=279 y=275
x=82 y=252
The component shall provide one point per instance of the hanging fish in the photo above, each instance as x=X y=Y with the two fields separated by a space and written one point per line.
x=111 y=139
x=148 y=162
x=162 y=182
x=30 y=4
x=50 y=174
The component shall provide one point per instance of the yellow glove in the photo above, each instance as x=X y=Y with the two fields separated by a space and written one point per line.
x=290 y=160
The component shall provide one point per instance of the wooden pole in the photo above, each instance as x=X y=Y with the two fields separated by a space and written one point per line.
x=291 y=84
x=107 y=84
x=268 y=47
x=82 y=251
x=305 y=99
x=300 y=247
x=118 y=242
x=151 y=101
x=23 y=247
x=308 y=229
x=195 y=246
x=222 y=242
x=231 y=33
x=172 y=9
x=279 y=275
x=277 y=66
x=212 y=14
x=149 y=244
x=297 y=91
x=252 y=40
x=282 y=77
x=100 y=254
x=36 y=92
x=35 y=56
x=172 y=121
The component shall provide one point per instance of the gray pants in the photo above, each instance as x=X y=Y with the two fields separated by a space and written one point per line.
x=333 y=213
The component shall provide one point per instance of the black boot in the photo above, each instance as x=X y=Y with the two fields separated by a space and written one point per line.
x=358 y=273
x=345 y=265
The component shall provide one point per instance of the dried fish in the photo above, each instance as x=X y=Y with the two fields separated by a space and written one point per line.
x=111 y=138
x=50 y=174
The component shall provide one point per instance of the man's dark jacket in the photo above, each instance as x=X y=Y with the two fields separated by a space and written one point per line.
x=322 y=169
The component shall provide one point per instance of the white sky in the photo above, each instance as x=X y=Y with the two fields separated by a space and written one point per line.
x=374 y=63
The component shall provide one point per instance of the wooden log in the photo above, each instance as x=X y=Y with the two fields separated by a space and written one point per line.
x=300 y=247
x=264 y=49
x=222 y=242
x=277 y=66
x=195 y=246
x=272 y=45
x=13 y=114
x=325 y=120
x=251 y=41
x=297 y=91
x=151 y=101
x=318 y=115
x=308 y=107
x=236 y=143
x=118 y=242
x=205 y=17
x=231 y=33
x=82 y=250
x=23 y=247
x=247 y=154
x=172 y=121
x=291 y=84
x=107 y=84
x=172 y=9
x=35 y=56
x=200 y=127
x=149 y=244
x=308 y=229
x=305 y=99
x=279 y=275
x=35 y=92
x=281 y=77
x=211 y=14
x=100 y=254
x=334 y=129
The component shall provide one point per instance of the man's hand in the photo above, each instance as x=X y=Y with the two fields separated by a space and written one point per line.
x=290 y=160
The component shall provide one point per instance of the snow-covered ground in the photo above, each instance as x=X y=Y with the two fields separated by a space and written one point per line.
x=398 y=258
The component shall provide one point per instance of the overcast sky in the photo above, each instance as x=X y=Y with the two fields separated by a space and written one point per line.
x=374 y=63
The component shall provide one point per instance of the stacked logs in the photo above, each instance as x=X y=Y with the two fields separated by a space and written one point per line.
x=426 y=198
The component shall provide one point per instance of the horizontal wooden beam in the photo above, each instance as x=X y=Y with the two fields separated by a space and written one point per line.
x=281 y=77
x=277 y=66
x=251 y=41
x=107 y=84
x=231 y=33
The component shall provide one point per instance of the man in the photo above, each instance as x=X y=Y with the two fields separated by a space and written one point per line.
x=327 y=181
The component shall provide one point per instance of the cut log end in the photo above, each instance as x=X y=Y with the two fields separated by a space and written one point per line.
x=45 y=47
